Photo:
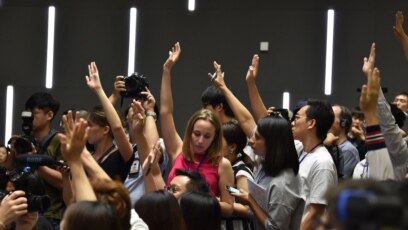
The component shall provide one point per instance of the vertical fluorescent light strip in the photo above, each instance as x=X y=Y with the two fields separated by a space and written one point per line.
x=285 y=102
x=329 y=52
x=9 y=113
x=50 y=47
x=132 y=41
x=191 y=5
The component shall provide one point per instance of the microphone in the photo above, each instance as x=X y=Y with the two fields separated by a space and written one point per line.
x=36 y=160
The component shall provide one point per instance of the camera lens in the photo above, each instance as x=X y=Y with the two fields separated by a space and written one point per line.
x=38 y=203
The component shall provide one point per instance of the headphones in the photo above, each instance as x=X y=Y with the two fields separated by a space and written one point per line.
x=345 y=117
x=344 y=123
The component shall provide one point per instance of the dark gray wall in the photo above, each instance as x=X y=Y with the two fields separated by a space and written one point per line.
x=228 y=31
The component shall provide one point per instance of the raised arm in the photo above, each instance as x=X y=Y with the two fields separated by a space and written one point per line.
x=400 y=32
x=137 y=128
x=150 y=131
x=122 y=141
x=258 y=107
x=171 y=139
x=72 y=146
x=153 y=179
x=244 y=117
x=378 y=158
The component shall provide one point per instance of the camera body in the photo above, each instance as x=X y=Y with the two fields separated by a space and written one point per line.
x=26 y=179
x=135 y=84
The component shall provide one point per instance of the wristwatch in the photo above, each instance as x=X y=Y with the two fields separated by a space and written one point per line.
x=150 y=113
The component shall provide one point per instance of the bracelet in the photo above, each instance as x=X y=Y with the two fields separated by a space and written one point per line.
x=152 y=114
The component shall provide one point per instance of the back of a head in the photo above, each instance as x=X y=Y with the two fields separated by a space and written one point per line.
x=213 y=96
x=160 y=210
x=86 y=215
x=233 y=134
x=114 y=193
x=346 y=118
x=280 y=149
x=197 y=182
x=322 y=113
x=201 y=211
x=42 y=100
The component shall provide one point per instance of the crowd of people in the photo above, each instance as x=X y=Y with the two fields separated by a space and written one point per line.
x=233 y=169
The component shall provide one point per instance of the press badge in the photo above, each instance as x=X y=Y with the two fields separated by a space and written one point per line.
x=135 y=168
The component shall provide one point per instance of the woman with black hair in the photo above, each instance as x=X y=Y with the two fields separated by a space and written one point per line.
x=201 y=211
x=271 y=138
x=234 y=142
x=160 y=210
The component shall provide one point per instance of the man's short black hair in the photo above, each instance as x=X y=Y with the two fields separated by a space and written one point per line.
x=197 y=182
x=213 y=96
x=44 y=101
x=322 y=113
x=403 y=93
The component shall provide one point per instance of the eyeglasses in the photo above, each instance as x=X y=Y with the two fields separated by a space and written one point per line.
x=172 y=188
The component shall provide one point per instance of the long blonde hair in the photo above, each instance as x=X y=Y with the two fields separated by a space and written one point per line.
x=214 y=150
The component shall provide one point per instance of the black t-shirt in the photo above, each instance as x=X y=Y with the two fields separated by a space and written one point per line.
x=116 y=167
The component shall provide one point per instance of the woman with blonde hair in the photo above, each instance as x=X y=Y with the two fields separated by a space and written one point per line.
x=200 y=150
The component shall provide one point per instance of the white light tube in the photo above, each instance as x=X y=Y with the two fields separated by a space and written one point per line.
x=9 y=114
x=285 y=101
x=132 y=41
x=191 y=5
x=50 y=47
x=329 y=52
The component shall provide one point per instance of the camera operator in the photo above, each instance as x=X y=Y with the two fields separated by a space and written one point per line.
x=44 y=108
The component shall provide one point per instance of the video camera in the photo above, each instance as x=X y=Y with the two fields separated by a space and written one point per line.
x=23 y=144
x=24 y=176
x=135 y=84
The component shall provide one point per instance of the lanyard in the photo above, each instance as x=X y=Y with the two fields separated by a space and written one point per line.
x=105 y=153
x=199 y=164
x=307 y=153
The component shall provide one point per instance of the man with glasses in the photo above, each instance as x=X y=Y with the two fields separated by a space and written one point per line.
x=317 y=170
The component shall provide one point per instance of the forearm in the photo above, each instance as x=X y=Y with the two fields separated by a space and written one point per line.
x=154 y=180
x=113 y=98
x=166 y=95
x=51 y=176
x=92 y=167
x=240 y=210
x=258 y=107
x=404 y=43
x=67 y=195
x=314 y=213
x=150 y=131
x=244 y=117
x=83 y=189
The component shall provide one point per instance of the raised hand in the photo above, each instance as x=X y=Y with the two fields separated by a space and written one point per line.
x=218 y=77
x=369 y=95
x=399 y=23
x=152 y=159
x=174 y=55
x=150 y=101
x=92 y=79
x=253 y=69
x=73 y=144
x=370 y=61
x=137 y=117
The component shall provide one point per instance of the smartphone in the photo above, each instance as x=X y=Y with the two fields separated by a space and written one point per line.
x=231 y=189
